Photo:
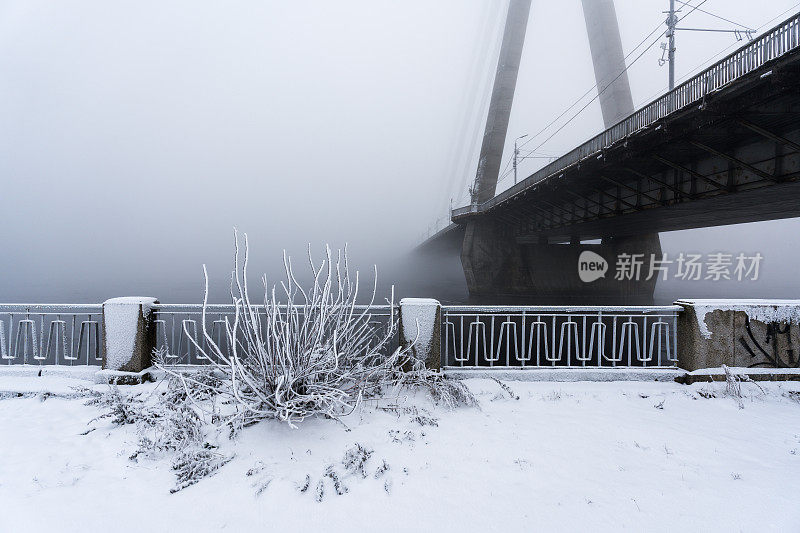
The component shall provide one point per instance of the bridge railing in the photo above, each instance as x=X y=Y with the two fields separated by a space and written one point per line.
x=177 y=325
x=62 y=334
x=51 y=334
x=561 y=337
x=780 y=40
x=67 y=334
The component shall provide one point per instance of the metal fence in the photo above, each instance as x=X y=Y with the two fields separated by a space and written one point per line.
x=780 y=40
x=565 y=337
x=65 y=334
x=48 y=334
x=472 y=336
x=176 y=325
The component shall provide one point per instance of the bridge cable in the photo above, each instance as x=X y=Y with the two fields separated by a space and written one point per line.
x=487 y=48
x=618 y=75
x=715 y=15
x=470 y=99
x=507 y=171
x=610 y=83
x=588 y=91
x=483 y=88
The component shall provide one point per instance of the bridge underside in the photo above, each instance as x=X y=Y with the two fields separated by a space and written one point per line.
x=735 y=158
x=732 y=158
x=504 y=269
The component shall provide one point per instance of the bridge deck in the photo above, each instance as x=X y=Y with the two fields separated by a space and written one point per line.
x=733 y=128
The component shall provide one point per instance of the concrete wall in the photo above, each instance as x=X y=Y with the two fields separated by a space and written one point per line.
x=746 y=333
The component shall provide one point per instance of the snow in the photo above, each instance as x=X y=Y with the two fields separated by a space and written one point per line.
x=564 y=457
x=786 y=311
x=120 y=320
x=86 y=372
x=111 y=376
x=534 y=309
x=54 y=380
x=567 y=374
x=743 y=371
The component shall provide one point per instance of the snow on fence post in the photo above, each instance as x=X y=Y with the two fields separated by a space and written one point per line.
x=738 y=333
x=421 y=326
x=128 y=334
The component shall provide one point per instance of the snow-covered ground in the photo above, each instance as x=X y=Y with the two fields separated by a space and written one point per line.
x=564 y=457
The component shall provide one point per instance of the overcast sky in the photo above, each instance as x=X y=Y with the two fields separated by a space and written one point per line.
x=135 y=135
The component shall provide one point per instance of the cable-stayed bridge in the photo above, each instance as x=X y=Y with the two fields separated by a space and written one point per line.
x=721 y=148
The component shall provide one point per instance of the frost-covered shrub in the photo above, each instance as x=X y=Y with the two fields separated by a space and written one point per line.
x=508 y=390
x=448 y=392
x=307 y=352
x=382 y=470
x=193 y=464
x=354 y=466
x=168 y=422
x=733 y=385
x=121 y=409
x=355 y=460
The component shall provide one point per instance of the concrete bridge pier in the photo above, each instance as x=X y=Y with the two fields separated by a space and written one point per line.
x=494 y=264
x=497 y=266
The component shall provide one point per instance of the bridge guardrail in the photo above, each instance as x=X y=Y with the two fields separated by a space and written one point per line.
x=783 y=38
x=559 y=336
x=175 y=323
x=51 y=334
x=72 y=334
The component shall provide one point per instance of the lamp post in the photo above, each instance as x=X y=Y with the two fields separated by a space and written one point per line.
x=672 y=21
x=516 y=154
x=672 y=26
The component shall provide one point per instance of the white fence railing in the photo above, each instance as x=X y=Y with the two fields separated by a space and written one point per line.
x=472 y=336
x=51 y=334
x=585 y=337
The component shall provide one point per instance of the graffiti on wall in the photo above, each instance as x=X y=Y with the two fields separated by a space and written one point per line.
x=771 y=344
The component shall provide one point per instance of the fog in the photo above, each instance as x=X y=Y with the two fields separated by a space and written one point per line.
x=136 y=135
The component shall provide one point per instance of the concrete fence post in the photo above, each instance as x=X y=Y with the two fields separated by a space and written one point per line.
x=128 y=334
x=420 y=328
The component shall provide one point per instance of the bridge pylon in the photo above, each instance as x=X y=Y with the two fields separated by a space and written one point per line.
x=495 y=264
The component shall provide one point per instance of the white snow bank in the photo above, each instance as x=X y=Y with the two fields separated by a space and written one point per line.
x=146 y=301
x=564 y=457
x=120 y=320
x=55 y=385
x=556 y=374
x=786 y=311
x=84 y=372
x=741 y=370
